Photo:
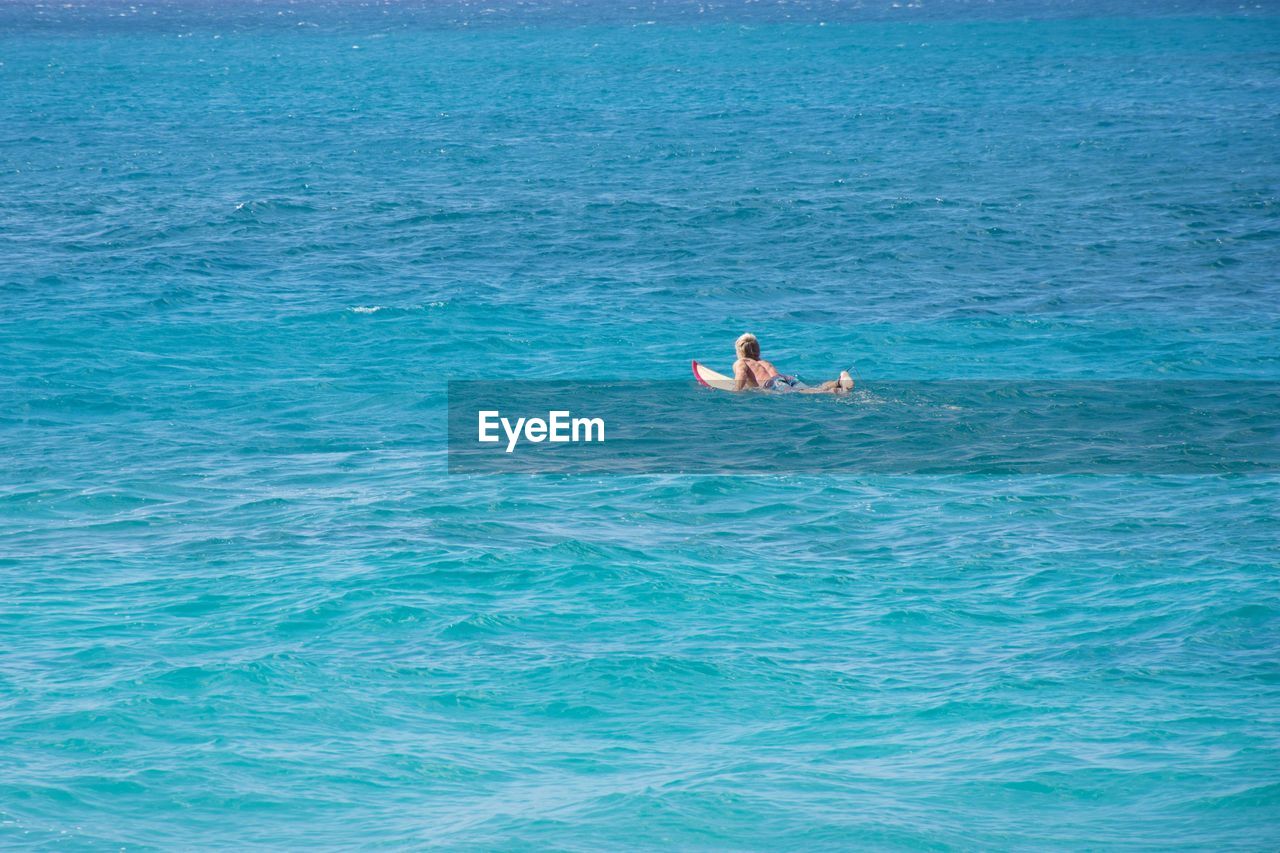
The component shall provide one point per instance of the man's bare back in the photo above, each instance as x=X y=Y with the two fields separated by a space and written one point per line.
x=752 y=373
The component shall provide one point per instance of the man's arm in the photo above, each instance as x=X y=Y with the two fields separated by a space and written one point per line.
x=742 y=377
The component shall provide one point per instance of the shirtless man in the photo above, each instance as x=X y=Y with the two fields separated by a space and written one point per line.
x=751 y=371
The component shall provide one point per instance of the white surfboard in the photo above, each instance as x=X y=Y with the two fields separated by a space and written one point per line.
x=708 y=378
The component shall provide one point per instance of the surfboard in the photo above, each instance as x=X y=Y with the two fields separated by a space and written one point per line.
x=708 y=378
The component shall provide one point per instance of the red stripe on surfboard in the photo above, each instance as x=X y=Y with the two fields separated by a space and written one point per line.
x=698 y=376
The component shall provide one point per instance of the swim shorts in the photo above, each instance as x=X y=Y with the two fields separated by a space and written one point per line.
x=782 y=382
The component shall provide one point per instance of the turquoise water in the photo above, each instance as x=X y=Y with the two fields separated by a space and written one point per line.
x=243 y=248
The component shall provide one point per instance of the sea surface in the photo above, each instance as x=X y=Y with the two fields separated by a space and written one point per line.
x=244 y=248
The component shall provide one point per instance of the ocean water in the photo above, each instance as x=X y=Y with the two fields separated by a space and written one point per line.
x=244 y=248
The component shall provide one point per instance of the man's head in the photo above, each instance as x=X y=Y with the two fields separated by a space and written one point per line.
x=747 y=346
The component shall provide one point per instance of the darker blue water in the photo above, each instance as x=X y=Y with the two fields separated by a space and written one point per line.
x=244 y=247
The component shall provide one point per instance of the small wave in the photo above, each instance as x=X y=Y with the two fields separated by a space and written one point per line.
x=373 y=309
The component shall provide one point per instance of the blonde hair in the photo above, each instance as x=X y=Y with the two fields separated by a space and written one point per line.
x=747 y=346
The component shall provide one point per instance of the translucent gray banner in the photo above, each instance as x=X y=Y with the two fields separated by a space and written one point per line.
x=989 y=427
